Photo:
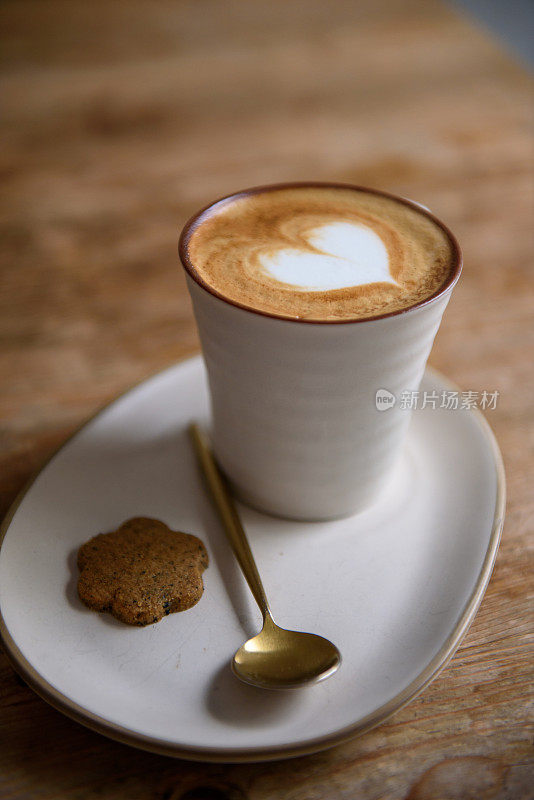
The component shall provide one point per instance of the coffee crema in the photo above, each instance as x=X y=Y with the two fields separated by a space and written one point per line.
x=319 y=252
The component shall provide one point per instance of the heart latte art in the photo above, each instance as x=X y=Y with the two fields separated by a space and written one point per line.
x=341 y=254
x=316 y=252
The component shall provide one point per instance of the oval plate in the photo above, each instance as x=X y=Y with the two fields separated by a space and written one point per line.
x=395 y=587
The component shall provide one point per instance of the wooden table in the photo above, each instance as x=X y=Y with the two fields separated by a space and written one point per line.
x=121 y=119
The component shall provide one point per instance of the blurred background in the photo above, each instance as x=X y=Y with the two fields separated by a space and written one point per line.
x=120 y=119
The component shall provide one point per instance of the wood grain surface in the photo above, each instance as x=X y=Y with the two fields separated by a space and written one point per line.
x=119 y=119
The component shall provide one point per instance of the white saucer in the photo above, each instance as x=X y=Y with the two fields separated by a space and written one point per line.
x=395 y=587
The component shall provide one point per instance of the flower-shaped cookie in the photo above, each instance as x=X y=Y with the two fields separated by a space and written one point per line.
x=142 y=571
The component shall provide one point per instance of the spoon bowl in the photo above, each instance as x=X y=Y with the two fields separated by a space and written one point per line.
x=281 y=659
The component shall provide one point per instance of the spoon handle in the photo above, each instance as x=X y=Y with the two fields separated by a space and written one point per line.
x=229 y=517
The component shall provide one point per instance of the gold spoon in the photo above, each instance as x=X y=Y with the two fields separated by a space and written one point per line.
x=276 y=658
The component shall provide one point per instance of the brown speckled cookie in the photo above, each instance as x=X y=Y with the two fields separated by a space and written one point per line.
x=142 y=571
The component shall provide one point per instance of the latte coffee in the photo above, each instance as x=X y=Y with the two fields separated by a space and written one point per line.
x=318 y=252
x=310 y=301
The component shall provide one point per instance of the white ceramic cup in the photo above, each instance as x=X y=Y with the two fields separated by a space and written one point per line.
x=295 y=423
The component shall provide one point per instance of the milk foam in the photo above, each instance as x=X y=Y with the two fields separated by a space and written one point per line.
x=351 y=255
x=321 y=253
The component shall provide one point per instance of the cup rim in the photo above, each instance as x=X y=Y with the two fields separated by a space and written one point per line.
x=197 y=219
